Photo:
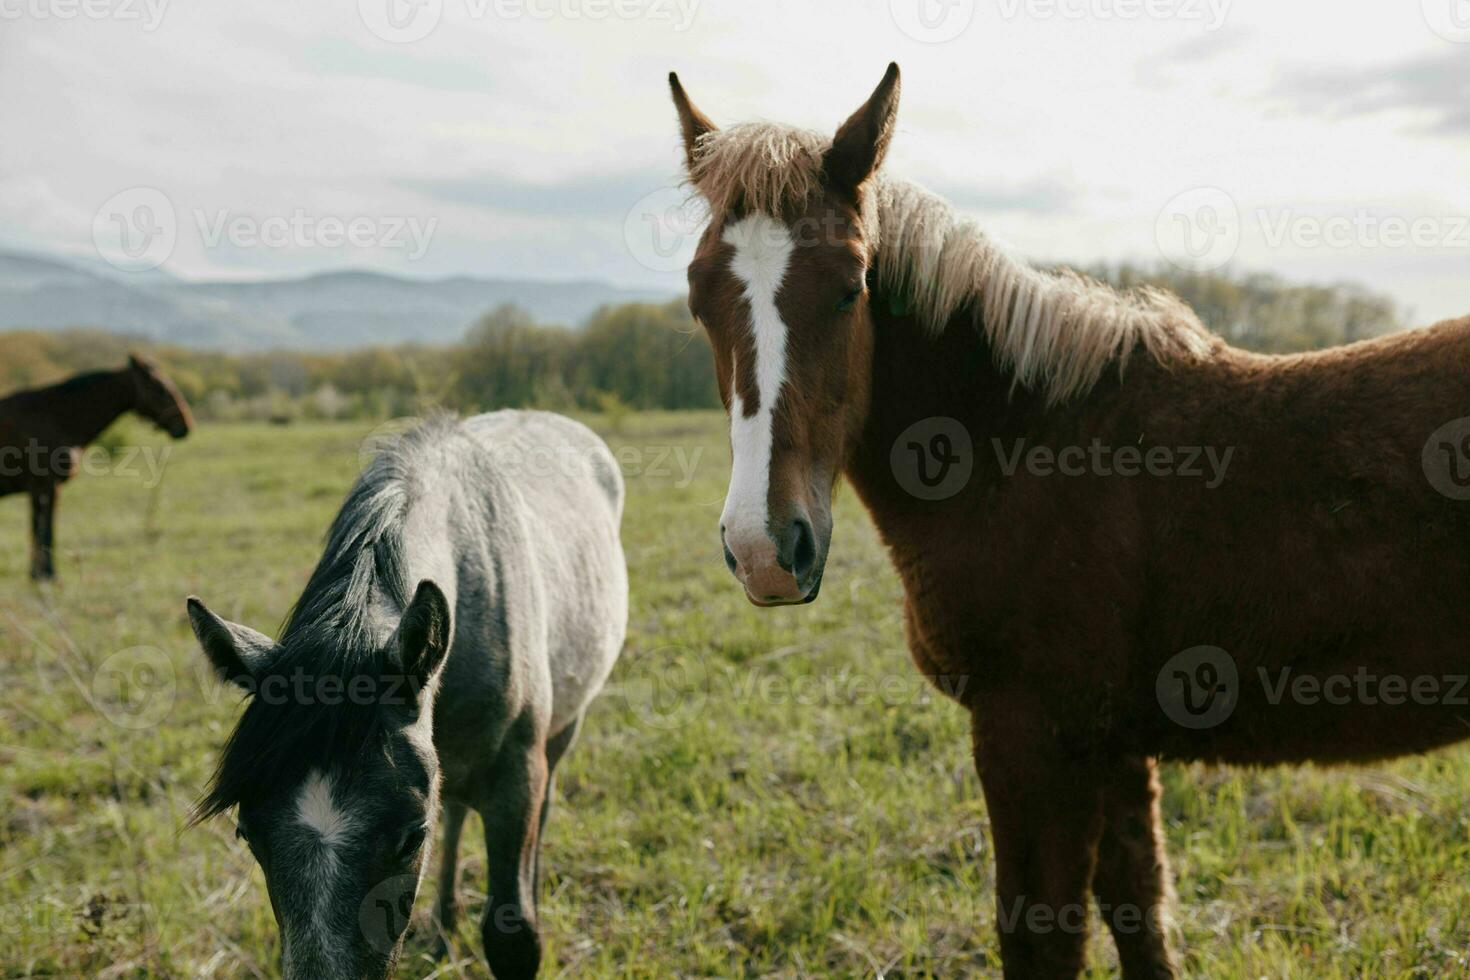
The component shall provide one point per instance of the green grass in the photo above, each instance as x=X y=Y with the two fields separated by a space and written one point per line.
x=758 y=793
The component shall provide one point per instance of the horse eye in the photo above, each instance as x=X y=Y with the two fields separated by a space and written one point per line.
x=849 y=300
x=412 y=842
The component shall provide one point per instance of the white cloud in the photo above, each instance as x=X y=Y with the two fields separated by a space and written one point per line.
x=1065 y=125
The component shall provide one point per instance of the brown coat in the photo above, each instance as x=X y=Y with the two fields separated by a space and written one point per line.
x=1119 y=539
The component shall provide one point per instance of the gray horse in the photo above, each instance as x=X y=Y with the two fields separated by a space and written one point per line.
x=471 y=601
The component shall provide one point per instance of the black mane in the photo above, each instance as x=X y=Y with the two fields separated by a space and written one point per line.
x=328 y=639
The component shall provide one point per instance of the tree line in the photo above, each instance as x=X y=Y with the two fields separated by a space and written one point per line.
x=632 y=356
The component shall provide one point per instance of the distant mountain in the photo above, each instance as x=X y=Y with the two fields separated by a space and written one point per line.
x=331 y=311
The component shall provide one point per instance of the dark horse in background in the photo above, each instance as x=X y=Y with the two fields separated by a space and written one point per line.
x=44 y=430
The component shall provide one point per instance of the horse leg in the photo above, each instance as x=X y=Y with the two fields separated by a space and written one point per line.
x=1131 y=881
x=1045 y=820
x=512 y=833
x=556 y=747
x=447 y=909
x=43 y=526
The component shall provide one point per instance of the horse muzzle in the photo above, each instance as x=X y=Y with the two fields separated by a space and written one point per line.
x=778 y=566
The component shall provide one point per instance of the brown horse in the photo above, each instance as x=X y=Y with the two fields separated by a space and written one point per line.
x=1209 y=555
x=43 y=431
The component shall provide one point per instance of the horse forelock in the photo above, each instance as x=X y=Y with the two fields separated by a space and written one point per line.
x=764 y=167
x=281 y=738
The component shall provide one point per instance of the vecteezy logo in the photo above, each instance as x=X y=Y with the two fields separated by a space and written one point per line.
x=1455 y=455
x=932 y=21
x=384 y=913
x=401 y=21
x=933 y=458
x=1198 y=230
x=662 y=229
x=1198 y=687
x=136 y=229
x=1446 y=459
x=134 y=688
x=1450 y=19
x=663 y=689
x=941 y=451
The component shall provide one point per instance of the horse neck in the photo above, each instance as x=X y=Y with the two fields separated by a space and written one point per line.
x=921 y=375
x=86 y=407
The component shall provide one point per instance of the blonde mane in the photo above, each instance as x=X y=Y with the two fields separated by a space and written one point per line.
x=1057 y=332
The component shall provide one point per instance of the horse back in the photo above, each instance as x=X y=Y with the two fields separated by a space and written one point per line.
x=1329 y=540
x=552 y=607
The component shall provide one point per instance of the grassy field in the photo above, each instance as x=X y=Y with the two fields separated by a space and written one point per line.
x=758 y=793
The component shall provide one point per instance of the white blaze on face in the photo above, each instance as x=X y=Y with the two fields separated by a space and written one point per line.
x=763 y=249
x=316 y=809
x=320 y=870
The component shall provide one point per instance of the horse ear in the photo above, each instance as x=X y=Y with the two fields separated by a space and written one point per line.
x=238 y=653
x=692 y=123
x=423 y=633
x=862 y=142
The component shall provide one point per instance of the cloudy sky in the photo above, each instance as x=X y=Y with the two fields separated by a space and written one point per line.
x=534 y=138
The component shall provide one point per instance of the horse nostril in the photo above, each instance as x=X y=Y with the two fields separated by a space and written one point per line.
x=798 y=551
x=730 y=562
x=806 y=551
